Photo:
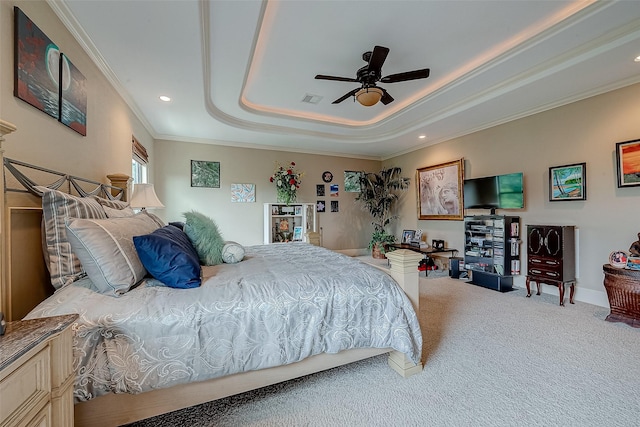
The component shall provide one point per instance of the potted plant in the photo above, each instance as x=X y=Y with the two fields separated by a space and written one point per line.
x=378 y=194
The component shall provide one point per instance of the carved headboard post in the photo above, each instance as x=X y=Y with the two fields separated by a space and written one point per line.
x=5 y=128
x=121 y=180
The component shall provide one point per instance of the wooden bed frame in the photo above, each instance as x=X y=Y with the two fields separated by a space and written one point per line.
x=25 y=283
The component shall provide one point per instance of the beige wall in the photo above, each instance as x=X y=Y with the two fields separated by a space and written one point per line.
x=40 y=139
x=585 y=131
x=243 y=222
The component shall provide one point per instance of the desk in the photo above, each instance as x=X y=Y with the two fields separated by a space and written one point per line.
x=427 y=252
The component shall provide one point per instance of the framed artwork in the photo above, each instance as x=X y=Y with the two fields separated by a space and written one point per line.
x=244 y=193
x=321 y=206
x=407 y=236
x=352 y=181
x=320 y=190
x=327 y=176
x=297 y=210
x=568 y=182
x=297 y=233
x=440 y=191
x=73 y=97
x=37 y=66
x=628 y=163
x=334 y=206
x=333 y=190
x=205 y=174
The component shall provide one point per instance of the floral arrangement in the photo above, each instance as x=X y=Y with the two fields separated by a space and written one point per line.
x=287 y=180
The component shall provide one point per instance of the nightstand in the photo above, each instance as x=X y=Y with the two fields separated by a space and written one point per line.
x=36 y=372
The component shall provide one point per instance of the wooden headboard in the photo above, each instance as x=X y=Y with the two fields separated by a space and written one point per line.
x=23 y=273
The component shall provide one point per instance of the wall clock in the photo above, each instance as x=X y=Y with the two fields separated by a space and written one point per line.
x=327 y=176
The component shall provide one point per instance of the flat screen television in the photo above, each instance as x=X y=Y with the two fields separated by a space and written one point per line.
x=494 y=192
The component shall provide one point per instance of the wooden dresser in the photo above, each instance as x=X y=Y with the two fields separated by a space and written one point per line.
x=551 y=255
x=36 y=372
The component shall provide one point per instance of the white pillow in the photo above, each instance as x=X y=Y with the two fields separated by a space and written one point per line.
x=232 y=252
x=106 y=250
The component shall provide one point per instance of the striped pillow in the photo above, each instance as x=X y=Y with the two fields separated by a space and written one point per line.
x=113 y=204
x=64 y=266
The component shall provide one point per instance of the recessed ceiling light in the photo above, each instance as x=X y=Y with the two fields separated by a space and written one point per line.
x=164 y=98
x=637 y=59
x=422 y=136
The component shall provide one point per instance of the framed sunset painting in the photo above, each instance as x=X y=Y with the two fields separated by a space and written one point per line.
x=628 y=163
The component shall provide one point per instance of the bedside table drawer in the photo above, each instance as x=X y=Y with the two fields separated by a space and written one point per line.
x=26 y=389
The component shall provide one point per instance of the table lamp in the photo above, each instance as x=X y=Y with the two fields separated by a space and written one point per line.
x=144 y=196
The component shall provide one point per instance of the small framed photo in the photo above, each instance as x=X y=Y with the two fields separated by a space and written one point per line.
x=297 y=210
x=568 y=182
x=297 y=233
x=628 y=163
x=407 y=236
x=437 y=245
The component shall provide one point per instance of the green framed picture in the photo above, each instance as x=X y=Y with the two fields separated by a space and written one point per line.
x=205 y=174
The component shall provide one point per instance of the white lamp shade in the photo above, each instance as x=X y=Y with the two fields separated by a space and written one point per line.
x=144 y=196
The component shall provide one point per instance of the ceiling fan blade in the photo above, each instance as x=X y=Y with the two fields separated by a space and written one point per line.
x=378 y=56
x=409 y=75
x=345 y=96
x=339 y=79
x=386 y=98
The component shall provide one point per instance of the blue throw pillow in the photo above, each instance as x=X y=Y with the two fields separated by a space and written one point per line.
x=169 y=256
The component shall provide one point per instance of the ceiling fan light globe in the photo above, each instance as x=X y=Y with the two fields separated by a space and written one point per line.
x=369 y=96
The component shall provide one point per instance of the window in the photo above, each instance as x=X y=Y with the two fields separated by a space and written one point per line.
x=139 y=162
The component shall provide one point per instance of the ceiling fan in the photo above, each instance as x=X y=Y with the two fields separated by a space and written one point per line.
x=369 y=94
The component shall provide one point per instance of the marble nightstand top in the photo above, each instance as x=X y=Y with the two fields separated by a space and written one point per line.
x=22 y=335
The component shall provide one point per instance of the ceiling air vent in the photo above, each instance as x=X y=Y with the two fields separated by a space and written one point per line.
x=311 y=99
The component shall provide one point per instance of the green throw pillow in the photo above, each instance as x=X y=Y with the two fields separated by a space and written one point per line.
x=205 y=236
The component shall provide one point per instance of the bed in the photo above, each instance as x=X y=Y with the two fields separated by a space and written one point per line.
x=284 y=311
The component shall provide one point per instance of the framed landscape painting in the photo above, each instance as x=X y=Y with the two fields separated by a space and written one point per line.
x=568 y=182
x=628 y=163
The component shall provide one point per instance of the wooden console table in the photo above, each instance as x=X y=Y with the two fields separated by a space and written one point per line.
x=623 y=291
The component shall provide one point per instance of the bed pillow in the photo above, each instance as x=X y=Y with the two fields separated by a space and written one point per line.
x=169 y=256
x=113 y=204
x=106 y=250
x=64 y=266
x=205 y=236
x=232 y=252
x=117 y=213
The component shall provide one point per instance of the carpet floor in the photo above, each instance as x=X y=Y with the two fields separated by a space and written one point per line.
x=490 y=359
